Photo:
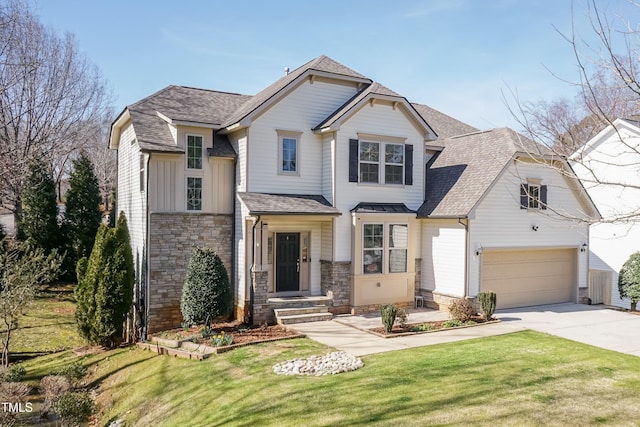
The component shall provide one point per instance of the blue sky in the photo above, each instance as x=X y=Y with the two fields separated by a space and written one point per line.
x=455 y=55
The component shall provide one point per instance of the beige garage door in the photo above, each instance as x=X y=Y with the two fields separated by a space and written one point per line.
x=529 y=277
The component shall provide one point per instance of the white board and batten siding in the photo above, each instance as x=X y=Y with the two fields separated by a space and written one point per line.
x=383 y=120
x=130 y=199
x=443 y=257
x=499 y=222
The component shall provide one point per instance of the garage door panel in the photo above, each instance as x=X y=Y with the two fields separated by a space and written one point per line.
x=529 y=277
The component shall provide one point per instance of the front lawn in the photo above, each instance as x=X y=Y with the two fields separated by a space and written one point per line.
x=524 y=378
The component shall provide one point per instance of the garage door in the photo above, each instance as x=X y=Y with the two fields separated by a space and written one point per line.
x=529 y=277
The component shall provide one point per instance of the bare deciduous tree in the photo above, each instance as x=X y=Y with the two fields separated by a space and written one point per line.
x=608 y=87
x=50 y=94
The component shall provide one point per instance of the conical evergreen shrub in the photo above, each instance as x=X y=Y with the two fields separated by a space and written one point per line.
x=206 y=294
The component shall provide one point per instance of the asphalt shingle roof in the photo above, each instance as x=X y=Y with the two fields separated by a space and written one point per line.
x=287 y=204
x=445 y=126
x=466 y=168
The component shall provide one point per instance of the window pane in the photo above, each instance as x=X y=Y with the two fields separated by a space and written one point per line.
x=398 y=235
x=372 y=261
x=397 y=260
x=369 y=151
x=393 y=174
x=289 y=154
x=368 y=172
x=194 y=152
x=394 y=153
x=534 y=196
x=194 y=194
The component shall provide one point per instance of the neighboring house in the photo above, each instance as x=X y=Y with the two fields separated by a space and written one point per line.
x=609 y=166
x=329 y=188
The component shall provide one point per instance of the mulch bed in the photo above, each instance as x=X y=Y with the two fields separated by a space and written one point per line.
x=242 y=334
x=412 y=328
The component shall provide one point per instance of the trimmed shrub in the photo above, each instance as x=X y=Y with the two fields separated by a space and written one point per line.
x=388 y=313
x=452 y=323
x=629 y=280
x=206 y=294
x=487 y=303
x=461 y=309
x=74 y=407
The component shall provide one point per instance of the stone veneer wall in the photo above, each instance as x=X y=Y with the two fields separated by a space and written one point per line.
x=262 y=311
x=172 y=237
x=583 y=296
x=335 y=282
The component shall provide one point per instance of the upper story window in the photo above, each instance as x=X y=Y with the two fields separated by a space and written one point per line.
x=533 y=195
x=289 y=152
x=194 y=152
x=381 y=162
x=194 y=194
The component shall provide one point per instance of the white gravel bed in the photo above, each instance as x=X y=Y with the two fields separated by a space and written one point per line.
x=329 y=364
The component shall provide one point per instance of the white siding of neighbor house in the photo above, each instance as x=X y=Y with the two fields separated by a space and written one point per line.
x=499 y=222
x=443 y=257
x=130 y=199
x=613 y=158
x=301 y=110
x=328 y=166
x=239 y=143
x=381 y=119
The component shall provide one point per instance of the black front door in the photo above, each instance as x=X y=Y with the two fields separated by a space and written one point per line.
x=287 y=262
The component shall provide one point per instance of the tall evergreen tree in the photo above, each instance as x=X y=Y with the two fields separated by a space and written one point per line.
x=39 y=219
x=105 y=286
x=82 y=216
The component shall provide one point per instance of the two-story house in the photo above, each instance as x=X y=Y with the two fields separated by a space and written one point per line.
x=327 y=188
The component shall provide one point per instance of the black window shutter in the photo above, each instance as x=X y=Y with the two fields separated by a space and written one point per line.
x=524 y=196
x=543 y=196
x=353 y=160
x=408 y=164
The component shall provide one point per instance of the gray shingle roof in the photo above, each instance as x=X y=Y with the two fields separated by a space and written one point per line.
x=287 y=204
x=321 y=63
x=179 y=103
x=467 y=167
x=445 y=126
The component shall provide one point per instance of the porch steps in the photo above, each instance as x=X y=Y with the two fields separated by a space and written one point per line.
x=292 y=315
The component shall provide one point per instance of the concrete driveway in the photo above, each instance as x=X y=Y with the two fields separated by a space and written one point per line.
x=589 y=324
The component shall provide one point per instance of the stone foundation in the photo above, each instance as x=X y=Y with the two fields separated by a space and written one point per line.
x=172 y=237
x=262 y=311
x=583 y=296
x=335 y=282
x=375 y=308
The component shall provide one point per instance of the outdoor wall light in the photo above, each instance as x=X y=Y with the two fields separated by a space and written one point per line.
x=583 y=248
x=479 y=251
x=534 y=227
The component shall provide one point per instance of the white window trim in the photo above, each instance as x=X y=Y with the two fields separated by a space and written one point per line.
x=531 y=198
x=386 y=248
x=288 y=134
x=186 y=150
x=186 y=193
x=382 y=144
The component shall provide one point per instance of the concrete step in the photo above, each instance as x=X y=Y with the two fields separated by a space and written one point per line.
x=303 y=318
x=293 y=311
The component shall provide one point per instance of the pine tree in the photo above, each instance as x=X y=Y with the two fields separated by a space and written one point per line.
x=82 y=215
x=39 y=219
x=206 y=294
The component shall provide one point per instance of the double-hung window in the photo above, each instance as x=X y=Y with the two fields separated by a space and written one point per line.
x=384 y=248
x=381 y=162
x=533 y=195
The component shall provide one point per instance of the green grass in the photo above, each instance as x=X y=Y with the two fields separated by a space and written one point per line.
x=522 y=379
x=525 y=378
x=47 y=325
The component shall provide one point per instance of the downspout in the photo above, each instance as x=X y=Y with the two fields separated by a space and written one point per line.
x=253 y=267
x=144 y=316
x=467 y=255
